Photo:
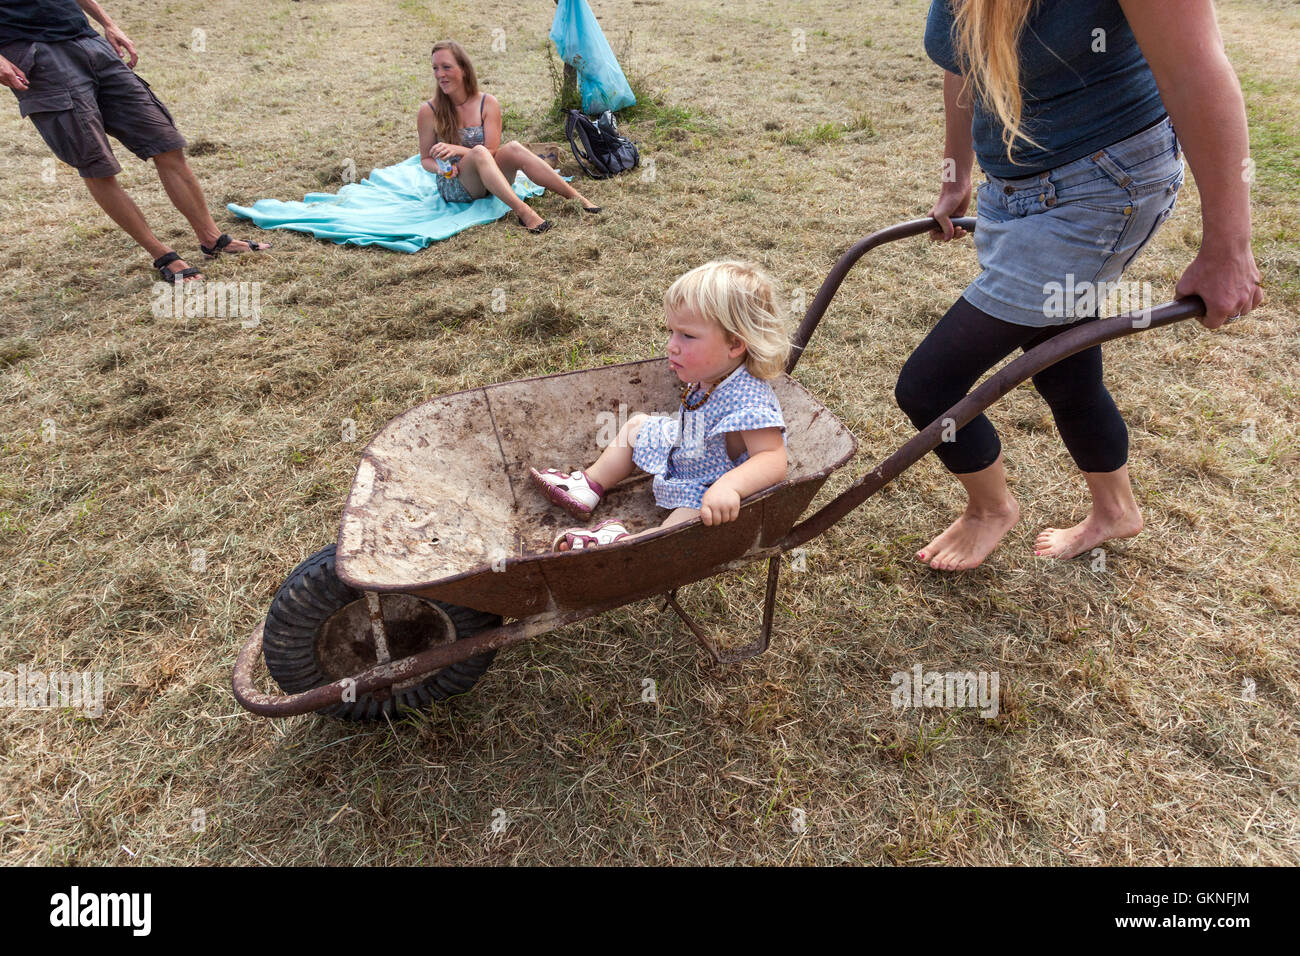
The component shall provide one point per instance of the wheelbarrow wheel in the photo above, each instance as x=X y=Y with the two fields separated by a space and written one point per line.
x=318 y=631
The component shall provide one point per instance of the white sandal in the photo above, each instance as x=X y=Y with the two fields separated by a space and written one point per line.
x=607 y=532
x=575 y=493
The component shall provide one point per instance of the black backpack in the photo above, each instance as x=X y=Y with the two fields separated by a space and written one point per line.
x=597 y=147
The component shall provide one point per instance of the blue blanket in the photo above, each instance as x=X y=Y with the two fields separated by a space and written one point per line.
x=397 y=207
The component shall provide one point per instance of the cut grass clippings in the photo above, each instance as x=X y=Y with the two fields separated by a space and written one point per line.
x=160 y=477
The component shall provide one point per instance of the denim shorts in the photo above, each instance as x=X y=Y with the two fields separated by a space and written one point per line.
x=1082 y=222
x=453 y=190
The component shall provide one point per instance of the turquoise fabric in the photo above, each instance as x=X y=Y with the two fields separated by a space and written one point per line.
x=397 y=207
x=582 y=44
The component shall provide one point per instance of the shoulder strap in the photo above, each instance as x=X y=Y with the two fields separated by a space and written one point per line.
x=481 y=104
x=575 y=128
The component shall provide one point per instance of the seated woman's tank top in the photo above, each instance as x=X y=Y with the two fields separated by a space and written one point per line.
x=470 y=136
x=453 y=190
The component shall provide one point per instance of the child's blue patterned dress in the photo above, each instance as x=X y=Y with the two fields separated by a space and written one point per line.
x=688 y=452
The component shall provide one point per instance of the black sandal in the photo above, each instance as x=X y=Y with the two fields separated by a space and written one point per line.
x=539 y=228
x=162 y=262
x=592 y=209
x=224 y=240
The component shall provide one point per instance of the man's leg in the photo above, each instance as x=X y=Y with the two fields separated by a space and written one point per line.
x=131 y=112
x=62 y=106
x=186 y=194
x=112 y=198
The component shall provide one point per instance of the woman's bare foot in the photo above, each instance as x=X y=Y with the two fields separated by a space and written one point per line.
x=1068 y=543
x=1114 y=514
x=972 y=537
x=990 y=513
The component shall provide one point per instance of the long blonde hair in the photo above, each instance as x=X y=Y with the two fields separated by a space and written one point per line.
x=445 y=121
x=742 y=299
x=987 y=36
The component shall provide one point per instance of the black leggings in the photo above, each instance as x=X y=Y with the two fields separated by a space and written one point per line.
x=967 y=343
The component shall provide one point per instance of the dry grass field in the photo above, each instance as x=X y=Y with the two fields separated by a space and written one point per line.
x=131 y=441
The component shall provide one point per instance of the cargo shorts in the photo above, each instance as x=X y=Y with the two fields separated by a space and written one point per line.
x=80 y=93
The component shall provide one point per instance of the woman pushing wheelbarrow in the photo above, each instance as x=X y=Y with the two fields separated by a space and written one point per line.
x=1070 y=108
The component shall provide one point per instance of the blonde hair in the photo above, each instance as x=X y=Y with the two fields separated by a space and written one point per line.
x=742 y=299
x=986 y=36
x=445 y=122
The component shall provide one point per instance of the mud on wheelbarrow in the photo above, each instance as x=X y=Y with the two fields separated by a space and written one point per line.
x=442 y=537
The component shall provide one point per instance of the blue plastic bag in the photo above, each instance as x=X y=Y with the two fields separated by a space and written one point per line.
x=582 y=45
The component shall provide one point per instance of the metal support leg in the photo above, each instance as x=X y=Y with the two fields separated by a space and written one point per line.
x=752 y=649
x=377 y=629
x=380 y=635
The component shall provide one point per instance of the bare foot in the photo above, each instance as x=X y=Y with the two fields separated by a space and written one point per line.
x=1087 y=534
x=971 y=538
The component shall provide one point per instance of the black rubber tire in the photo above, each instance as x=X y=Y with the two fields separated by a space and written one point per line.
x=308 y=598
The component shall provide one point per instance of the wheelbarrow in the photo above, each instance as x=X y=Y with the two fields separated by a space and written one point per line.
x=443 y=538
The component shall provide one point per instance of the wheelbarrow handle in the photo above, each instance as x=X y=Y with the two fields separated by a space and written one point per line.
x=844 y=263
x=1058 y=347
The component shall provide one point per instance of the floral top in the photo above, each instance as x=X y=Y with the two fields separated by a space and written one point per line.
x=453 y=190
x=687 y=452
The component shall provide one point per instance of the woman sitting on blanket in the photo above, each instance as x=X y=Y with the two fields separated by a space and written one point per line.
x=462 y=126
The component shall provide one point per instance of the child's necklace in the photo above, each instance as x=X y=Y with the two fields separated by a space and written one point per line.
x=690 y=387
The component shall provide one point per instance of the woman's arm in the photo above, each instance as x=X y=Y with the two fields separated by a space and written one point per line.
x=765 y=467
x=958 y=158
x=492 y=124
x=1181 y=42
x=430 y=148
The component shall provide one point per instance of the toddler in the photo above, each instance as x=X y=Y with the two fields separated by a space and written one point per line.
x=727 y=440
